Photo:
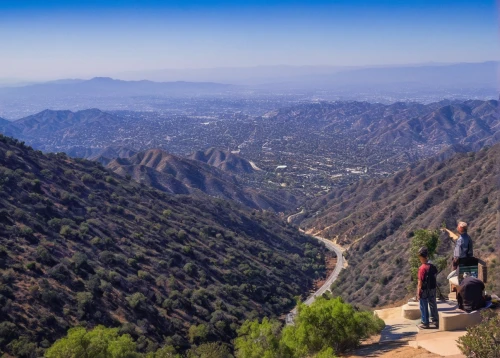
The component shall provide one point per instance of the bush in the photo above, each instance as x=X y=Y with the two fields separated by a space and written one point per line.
x=483 y=340
x=210 y=350
x=257 y=340
x=198 y=333
x=8 y=332
x=99 y=342
x=136 y=300
x=326 y=327
x=88 y=179
x=329 y=323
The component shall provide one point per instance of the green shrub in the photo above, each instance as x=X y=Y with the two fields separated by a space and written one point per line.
x=100 y=342
x=88 y=179
x=326 y=327
x=483 y=340
x=256 y=340
x=329 y=323
x=198 y=333
x=427 y=238
x=143 y=275
x=8 y=332
x=210 y=350
x=136 y=300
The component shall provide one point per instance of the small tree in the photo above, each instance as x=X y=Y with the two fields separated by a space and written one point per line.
x=258 y=340
x=210 y=350
x=198 y=333
x=329 y=326
x=136 y=300
x=101 y=342
x=422 y=237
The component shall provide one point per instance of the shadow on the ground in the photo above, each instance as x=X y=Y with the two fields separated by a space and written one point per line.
x=396 y=332
x=376 y=349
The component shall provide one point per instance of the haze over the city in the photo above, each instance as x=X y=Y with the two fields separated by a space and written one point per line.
x=131 y=39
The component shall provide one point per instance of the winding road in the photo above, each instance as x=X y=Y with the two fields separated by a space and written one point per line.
x=330 y=280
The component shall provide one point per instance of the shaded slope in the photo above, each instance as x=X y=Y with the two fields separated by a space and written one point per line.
x=81 y=245
x=50 y=130
x=376 y=218
x=224 y=160
x=179 y=175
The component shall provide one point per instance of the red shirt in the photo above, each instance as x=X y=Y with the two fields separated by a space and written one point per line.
x=425 y=270
x=422 y=271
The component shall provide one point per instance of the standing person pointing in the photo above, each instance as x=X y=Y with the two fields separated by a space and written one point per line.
x=463 y=245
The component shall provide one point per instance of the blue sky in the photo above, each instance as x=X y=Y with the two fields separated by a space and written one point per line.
x=48 y=39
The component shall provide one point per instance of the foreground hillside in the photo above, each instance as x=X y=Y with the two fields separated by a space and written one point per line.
x=79 y=245
x=376 y=219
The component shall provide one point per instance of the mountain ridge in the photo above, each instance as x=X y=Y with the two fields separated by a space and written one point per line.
x=224 y=160
x=178 y=175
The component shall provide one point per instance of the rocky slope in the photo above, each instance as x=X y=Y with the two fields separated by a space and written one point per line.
x=376 y=219
x=224 y=160
x=180 y=175
x=79 y=245
x=474 y=123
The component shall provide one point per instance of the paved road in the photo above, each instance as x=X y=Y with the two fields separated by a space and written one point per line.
x=330 y=280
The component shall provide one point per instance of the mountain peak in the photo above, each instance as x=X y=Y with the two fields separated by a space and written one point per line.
x=102 y=79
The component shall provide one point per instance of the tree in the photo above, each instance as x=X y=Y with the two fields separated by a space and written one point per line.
x=101 y=342
x=164 y=352
x=210 y=350
x=328 y=325
x=198 y=333
x=427 y=238
x=259 y=340
x=136 y=300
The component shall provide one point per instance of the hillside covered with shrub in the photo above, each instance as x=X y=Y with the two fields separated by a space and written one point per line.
x=377 y=218
x=80 y=245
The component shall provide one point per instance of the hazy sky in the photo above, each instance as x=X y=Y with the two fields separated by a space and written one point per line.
x=48 y=39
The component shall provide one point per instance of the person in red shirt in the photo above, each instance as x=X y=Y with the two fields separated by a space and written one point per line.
x=426 y=290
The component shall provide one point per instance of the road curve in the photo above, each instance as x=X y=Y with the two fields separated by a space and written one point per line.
x=333 y=276
x=329 y=281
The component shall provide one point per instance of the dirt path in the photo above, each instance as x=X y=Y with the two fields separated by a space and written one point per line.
x=392 y=350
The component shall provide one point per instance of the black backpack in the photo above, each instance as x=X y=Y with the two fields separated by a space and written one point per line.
x=429 y=282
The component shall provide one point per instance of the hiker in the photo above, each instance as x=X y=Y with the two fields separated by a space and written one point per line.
x=463 y=245
x=426 y=290
x=470 y=294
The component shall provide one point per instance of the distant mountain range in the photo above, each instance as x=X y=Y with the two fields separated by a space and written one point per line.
x=376 y=219
x=322 y=144
x=105 y=86
x=233 y=87
x=472 y=123
x=435 y=74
